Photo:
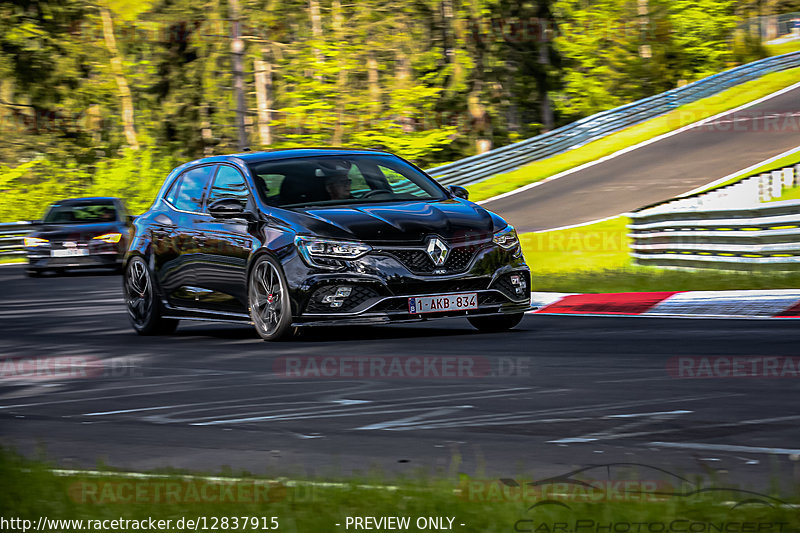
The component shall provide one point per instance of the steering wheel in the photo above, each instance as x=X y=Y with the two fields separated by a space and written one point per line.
x=374 y=192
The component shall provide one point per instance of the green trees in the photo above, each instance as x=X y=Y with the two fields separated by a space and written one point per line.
x=102 y=96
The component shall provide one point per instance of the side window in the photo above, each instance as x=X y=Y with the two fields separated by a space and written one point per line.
x=187 y=194
x=272 y=187
x=357 y=182
x=229 y=183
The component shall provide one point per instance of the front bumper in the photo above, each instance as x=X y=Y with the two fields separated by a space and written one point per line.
x=40 y=258
x=380 y=286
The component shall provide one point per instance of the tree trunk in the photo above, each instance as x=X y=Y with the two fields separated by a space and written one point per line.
x=341 y=79
x=237 y=51
x=316 y=30
x=403 y=80
x=548 y=121
x=126 y=100
x=263 y=72
x=480 y=118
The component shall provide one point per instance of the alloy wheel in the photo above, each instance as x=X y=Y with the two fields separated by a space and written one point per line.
x=266 y=298
x=138 y=292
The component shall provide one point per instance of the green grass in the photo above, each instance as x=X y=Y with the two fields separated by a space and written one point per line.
x=783 y=48
x=599 y=246
x=30 y=490
x=8 y=260
x=789 y=194
x=595 y=258
x=729 y=99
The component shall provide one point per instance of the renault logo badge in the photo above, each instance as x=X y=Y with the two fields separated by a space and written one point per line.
x=438 y=251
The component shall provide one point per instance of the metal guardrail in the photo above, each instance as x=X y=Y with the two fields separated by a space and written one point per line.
x=507 y=158
x=729 y=228
x=11 y=237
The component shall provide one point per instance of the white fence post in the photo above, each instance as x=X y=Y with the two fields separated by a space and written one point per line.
x=777 y=184
x=788 y=177
x=764 y=185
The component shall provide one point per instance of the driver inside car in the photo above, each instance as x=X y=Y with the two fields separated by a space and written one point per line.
x=338 y=186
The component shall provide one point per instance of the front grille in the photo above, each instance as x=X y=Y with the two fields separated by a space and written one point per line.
x=358 y=295
x=419 y=262
x=439 y=287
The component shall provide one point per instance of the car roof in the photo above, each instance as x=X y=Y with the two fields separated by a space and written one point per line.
x=100 y=199
x=288 y=153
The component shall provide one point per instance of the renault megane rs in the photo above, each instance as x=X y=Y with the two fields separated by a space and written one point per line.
x=319 y=237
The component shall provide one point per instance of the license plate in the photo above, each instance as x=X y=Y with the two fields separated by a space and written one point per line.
x=445 y=302
x=69 y=252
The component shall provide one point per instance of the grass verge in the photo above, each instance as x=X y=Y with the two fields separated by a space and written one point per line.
x=783 y=48
x=30 y=492
x=684 y=115
x=595 y=258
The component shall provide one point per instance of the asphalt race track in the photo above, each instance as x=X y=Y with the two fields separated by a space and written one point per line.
x=553 y=394
x=661 y=170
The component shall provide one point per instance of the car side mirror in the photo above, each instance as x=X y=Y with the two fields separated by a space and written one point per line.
x=228 y=208
x=456 y=191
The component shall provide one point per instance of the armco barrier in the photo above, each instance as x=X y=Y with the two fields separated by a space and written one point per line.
x=730 y=228
x=11 y=239
x=507 y=158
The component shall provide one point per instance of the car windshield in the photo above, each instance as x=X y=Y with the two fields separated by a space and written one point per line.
x=339 y=180
x=81 y=213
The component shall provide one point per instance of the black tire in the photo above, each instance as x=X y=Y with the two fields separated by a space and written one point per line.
x=496 y=323
x=141 y=299
x=268 y=299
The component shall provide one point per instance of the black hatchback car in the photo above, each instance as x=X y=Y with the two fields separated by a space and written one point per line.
x=319 y=237
x=79 y=233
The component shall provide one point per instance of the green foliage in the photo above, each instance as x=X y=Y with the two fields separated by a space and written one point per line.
x=434 y=80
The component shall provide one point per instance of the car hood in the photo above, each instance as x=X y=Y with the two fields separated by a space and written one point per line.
x=76 y=232
x=454 y=220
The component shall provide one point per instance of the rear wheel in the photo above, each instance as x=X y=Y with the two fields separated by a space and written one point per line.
x=268 y=296
x=493 y=324
x=144 y=307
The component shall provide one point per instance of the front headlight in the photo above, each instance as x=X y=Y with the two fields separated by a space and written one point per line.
x=506 y=238
x=323 y=253
x=110 y=238
x=32 y=242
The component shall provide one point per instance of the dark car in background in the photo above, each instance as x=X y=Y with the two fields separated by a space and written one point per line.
x=79 y=233
x=319 y=237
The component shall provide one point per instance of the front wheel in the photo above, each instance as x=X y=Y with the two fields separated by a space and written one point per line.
x=144 y=307
x=494 y=324
x=268 y=297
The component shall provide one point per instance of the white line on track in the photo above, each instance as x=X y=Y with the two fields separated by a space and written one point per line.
x=738 y=173
x=534 y=417
x=345 y=411
x=726 y=448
